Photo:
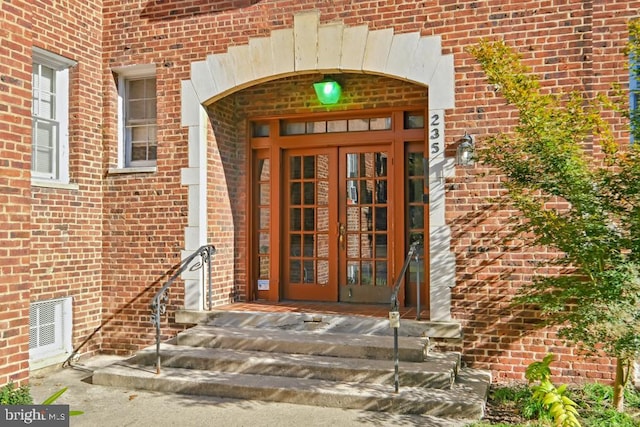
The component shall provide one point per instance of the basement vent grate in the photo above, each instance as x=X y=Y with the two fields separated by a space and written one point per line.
x=49 y=328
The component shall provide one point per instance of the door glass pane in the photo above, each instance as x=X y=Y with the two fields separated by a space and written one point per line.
x=366 y=247
x=415 y=164
x=337 y=126
x=416 y=210
x=352 y=165
x=309 y=226
x=323 y=246
x=295 y=219
x=309 y=167
x=381 y=123
x=264 y=197
x=309 y=219
x=323 y=167
x=323 y=219
x=381 y=245
x=263 y=200
x=264 y=218
x=263 y=242
x=294 y=128
x=295 y=167
x=309 y=273
x=415 y=190
x=317 y=127
x=381 y=191
x=323 y=272
x=381 y=218
x=323 y=193
x=295 y=271
x=365 y=187
x=294 y=245
x=296 y=197
x=366 y=191
x=381 y=273
x=353 y=219
x=381 y=164
x=309 y=193
x=309 y=245
x=264 y=268
x=414 y=120
x=353 y=273
x=366 y=276
x=353 y=247
x=358 y=125
x=416 y=217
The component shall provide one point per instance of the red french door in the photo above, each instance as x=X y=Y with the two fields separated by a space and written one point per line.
x=336 y=224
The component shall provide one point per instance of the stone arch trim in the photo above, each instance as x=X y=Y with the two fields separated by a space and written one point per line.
x=312 y=47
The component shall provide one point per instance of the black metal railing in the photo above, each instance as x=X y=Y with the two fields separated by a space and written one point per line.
x=161 y=298
x=394 y=314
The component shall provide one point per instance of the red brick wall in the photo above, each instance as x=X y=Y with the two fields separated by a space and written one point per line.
x=15 y=189
x=571 y=47
x=144 y=218
x=571 y=44
x=66 y=234
x=227 y=200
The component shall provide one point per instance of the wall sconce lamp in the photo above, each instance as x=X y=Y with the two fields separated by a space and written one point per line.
x=328 y=91
x=466 y=150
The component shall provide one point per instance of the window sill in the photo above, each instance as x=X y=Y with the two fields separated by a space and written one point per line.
x=53 y=184
x=141 y=169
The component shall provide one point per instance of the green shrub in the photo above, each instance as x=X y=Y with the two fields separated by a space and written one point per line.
x=10 y=395
x=554 y=402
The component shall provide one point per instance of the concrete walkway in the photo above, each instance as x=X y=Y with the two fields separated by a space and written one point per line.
x=107 y=406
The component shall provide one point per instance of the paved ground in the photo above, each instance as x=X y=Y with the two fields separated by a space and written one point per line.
x=107 y=406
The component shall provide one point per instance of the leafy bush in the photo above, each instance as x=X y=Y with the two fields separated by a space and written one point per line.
x=10 y=395
x=595 y=401
x=553 y=401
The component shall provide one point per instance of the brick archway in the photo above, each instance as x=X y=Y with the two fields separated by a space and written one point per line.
x=312 y=47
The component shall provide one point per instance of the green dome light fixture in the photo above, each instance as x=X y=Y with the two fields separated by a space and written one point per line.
x=328 y=91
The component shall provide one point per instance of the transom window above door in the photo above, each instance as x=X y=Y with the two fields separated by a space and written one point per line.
x=293 y=127
x=288 y=127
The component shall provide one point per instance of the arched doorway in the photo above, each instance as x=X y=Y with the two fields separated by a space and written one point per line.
x=310 y=47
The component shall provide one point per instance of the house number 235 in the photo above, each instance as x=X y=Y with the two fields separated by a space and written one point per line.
x=435 y=135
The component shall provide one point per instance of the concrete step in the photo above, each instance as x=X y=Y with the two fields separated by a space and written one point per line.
x=465 y=400
x=437 y=371
x=313 y=359
x=332 y=323
x=411 y=349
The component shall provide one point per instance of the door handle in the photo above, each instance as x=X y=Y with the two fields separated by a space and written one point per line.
x=342 y=231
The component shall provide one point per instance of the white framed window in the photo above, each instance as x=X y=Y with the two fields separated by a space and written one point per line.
x=50 y=324
x=137 y=117
x=50 y=116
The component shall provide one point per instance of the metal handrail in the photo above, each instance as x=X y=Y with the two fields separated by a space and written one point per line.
x=161 y=298
x=394 y=314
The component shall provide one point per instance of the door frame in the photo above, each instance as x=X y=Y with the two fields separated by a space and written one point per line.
x=275 y=145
